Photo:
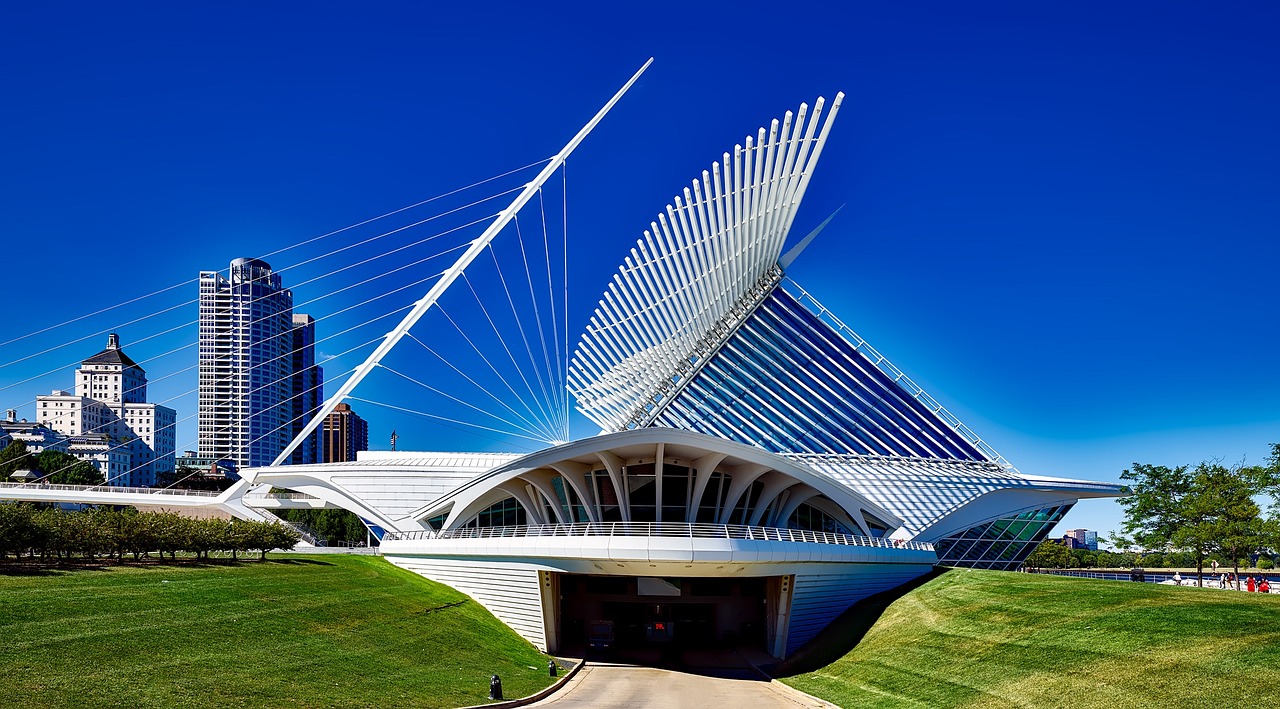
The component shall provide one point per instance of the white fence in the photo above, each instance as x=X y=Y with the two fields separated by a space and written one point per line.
x=661 y=529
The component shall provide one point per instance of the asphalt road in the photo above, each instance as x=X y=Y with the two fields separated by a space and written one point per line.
x=630 y=687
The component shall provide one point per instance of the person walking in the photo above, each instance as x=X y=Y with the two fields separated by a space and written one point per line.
x=1264 y=586
x=1248 y=585
x=1177 y=578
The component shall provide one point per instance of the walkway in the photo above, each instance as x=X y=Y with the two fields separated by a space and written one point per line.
x=631 y=687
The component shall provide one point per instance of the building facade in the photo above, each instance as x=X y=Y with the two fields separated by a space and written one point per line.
x=1084 y=538
x=250 y=352
x=345 y=434
x=108 y=421
x=306 y=389
x=760 y=466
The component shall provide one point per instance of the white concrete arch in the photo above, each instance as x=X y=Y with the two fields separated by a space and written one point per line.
x=612 y=454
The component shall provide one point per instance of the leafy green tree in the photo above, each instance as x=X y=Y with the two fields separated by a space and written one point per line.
x=172 y=533
x=1194 y=510
x=277 y=536
x=16 y=529
x=1050 y=555
x=1238 y=529
x=14 y=458
x=62 y=468
x=141 y=532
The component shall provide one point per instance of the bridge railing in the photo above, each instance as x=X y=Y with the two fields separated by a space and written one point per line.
x=109 y=489
x=279 y=496
x=660 y=529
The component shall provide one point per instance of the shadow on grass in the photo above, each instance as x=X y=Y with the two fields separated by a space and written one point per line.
x=294 y=562
x=61 y=568
x=847 y=630
x=10 y=569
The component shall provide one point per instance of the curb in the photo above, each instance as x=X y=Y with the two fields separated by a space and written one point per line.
x=535 y=697
x=786 y=689
x=800 y=696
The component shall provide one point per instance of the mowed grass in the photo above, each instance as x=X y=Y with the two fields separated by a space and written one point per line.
x=294 y=631
x=994 y=639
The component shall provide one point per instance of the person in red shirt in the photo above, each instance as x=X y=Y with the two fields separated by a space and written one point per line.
x=1264 y=586
x=1248 y=585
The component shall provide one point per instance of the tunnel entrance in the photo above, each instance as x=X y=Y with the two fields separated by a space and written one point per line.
x=630 y=615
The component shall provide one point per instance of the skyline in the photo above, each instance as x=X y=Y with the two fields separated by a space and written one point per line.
x=1045 y=213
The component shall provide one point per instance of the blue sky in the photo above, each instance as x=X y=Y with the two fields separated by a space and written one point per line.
x=1060 y=220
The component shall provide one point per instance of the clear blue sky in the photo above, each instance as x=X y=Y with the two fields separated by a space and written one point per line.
x=1061 y=220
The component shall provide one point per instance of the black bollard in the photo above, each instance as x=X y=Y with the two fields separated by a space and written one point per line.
x=495 y=687
x=551 y=667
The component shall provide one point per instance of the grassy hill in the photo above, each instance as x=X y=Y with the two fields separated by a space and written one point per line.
x=995 y=639
x=331 y=631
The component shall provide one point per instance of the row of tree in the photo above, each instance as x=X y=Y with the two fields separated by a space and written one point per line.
x=1207 y=510
x=1187 y=516
x=113 y=533
x=54 y=466
x=333 y=526
x=1052 y=554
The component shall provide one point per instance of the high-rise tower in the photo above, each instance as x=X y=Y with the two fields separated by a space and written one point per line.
x=345 y=433
x=247 y=364
x=307 y=387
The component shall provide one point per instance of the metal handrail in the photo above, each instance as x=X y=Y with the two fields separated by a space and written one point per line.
x=110 y=489
x=688 y=530
x=279 y=496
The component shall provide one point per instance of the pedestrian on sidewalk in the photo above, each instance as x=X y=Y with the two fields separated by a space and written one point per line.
x=1248 y=585
x=1264 y=586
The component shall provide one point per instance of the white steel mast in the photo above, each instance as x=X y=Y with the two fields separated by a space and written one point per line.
x=422 y=306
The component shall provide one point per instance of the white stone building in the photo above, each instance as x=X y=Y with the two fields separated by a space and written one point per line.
x=108 y=421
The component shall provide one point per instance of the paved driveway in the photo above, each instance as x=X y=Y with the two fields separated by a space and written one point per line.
x=630 y=687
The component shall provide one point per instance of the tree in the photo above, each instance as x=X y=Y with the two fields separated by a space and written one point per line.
x=1050 y=555
x=14 y=458
x=65 y=469
x=1195 y=510
x=16 y=529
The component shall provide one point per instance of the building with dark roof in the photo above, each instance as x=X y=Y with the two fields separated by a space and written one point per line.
x=133 y=441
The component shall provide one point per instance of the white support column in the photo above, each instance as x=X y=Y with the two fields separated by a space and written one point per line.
x=740 y=482
x=575 y=474
x=657 y=481
x=420 y=308
x=780 y=589
x=549 y=591
x=613 y=464
x=703 y=467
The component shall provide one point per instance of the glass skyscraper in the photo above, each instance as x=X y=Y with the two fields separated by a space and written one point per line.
x=257 y=366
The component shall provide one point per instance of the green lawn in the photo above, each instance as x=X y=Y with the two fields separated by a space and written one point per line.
x=294 y=631
x=995 y=639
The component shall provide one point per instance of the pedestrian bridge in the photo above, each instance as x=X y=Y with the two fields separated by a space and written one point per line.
x=240 y=500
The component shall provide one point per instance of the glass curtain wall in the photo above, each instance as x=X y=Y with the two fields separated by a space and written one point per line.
x=1001 y=544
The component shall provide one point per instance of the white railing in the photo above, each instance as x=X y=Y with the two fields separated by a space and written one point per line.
x=109 y=489
x=660 y=529
x=279 y=496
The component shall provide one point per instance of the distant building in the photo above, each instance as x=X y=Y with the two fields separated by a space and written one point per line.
x=208 y=467
x=307 y=386
x=345 y=433
x=108 y=422
x=1085 y=539
x=249 y=356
